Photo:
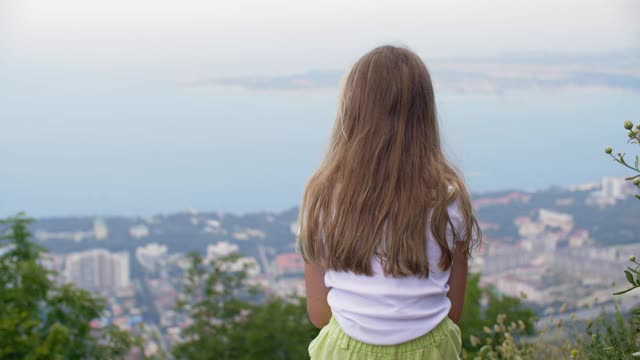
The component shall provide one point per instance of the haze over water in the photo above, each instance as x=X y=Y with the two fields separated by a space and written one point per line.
x=147 y=148
x=143 y=114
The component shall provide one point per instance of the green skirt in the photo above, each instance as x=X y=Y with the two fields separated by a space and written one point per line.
x=443 y=342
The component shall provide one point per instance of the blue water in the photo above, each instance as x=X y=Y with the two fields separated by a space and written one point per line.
x=79 y=144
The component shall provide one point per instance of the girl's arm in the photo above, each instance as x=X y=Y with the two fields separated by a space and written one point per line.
x=317 y=306
x=457 y=283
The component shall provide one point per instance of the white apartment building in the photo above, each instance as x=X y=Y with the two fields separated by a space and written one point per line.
x=151 y=255
x=98 y=269
x=556 y=219
x=613 y=188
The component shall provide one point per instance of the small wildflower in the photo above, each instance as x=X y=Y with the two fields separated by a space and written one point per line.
x=636 y=354
x=607 y=150
x=563 y=308
x=638 y=126
x=572 y=316
x=549 y=310
x=474 y=341
x=559 y=323
x=636 y=182
x=521 y=324
x=631 y=134
x=486 y=330
x=632 y=258
x=496 y=328
x=628 y=124
x=574 y=353
x=523 y=295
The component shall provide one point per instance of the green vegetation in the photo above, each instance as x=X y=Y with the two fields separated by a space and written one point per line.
x=230 y=318
x=609 y=337
x=227 y=325
x=613 y=336
x=617 y=338
x=634 y=138
x=232 y=328
x=633 y=276
x=476 y=318
x=41 y=320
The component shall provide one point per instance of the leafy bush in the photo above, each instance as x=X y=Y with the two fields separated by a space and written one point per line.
x=226 y=324
x=483 y=307
x=609 y=337
x=634 y=138
x=41 y=320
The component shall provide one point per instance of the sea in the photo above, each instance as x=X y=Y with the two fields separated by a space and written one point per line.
x=113 y=146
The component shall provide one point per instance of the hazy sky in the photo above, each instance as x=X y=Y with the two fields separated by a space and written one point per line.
x=190 y=38
x=95 y=117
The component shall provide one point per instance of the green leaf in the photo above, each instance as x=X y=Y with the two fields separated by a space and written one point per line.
x=624 y=291
x=634 y=270
x=636 y=161
x=630 y=278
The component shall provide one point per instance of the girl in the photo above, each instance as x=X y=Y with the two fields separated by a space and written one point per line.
x=386 y=223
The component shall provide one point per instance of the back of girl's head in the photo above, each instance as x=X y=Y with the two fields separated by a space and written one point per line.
x=384 y=173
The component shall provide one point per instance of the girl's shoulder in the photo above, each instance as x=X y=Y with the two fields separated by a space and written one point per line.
x=455 y=213
x=454 y=203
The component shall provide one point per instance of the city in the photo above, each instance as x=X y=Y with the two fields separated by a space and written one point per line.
x=540 y=246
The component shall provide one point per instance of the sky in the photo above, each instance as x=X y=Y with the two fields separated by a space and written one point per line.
x=245 y=37
x=132 y=107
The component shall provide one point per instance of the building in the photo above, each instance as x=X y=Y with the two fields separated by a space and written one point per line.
x=584 y=187
x=556 y=220
x=500 y=258
x=579 y=238
x=151 y=255
x=139 y=231
x=502 y=200
x=290 y=263
x=98 y=269
x=100 y=229
x=530 y=229
x=222 y=249
x=514 y=286
x=613 y=188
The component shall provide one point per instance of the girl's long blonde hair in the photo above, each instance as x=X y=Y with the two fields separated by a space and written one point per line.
x=383 y=175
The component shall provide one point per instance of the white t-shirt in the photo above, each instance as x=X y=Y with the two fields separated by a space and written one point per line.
x=385 y=310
